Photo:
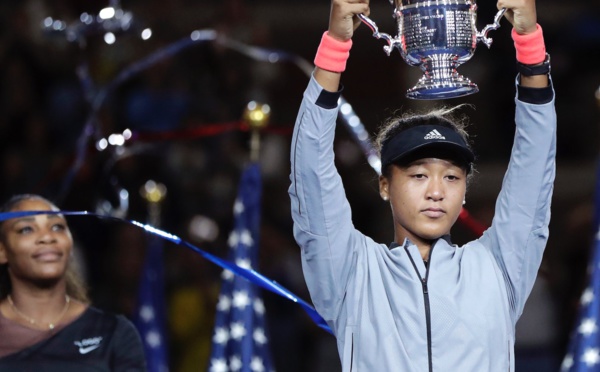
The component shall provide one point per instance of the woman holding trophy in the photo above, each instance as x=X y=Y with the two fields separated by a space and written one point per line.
x=422 y=303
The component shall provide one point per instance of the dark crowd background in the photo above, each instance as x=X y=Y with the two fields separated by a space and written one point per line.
x=43 y=109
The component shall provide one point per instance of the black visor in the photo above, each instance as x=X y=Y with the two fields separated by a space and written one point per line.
x=425 y=137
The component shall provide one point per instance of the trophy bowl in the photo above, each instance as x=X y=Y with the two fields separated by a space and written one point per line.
x=437 y=36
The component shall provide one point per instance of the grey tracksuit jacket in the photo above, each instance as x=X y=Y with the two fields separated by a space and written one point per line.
x=387 y=310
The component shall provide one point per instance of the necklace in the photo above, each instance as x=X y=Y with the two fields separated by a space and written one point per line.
x=32 y=321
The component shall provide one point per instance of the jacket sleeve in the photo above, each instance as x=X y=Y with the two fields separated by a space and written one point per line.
x=519 y=230
x=320 y=210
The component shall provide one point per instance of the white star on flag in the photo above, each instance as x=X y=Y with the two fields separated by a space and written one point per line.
x=587 y=297
x=567 y=362
x=246 y=238
x=591 y=356
x=153 y=339
x=238 y=331
x=146 y=313
x=240 y=341
x=227 y=275
x=233 y=240
x=259 y=306
x=218 y=365
x=256 y=365
x=259 y=336
x=587 y=327
x=221 y=336
x=238 y=207
x=240 y=299
x=224 y=303
x=235 y=363
x=244 y=263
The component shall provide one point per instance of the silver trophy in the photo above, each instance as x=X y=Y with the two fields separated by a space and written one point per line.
x=437 y=36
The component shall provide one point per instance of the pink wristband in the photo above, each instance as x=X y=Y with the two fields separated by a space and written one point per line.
x=531 y=49
x=332 y=53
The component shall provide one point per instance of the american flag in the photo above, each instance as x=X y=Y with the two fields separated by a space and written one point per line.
x=150 y=314
x=239 y=340
x=583 y=354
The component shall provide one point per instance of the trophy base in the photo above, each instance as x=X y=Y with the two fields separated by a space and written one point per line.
x=430 y=92
x=441 y=80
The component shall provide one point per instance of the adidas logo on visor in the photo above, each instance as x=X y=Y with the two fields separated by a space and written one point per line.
x=434 y=134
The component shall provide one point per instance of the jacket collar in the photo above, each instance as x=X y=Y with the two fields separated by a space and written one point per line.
x=407 y=242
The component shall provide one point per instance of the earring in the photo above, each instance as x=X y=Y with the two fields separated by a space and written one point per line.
x=385 y=198
x=464 y=202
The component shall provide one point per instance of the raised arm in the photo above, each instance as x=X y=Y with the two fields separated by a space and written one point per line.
x=342 y=24
x=321 y=213
x=523 y=16
x=519 y=231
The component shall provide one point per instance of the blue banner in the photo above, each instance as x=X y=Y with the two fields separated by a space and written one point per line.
x=240 y=340
x=150 y=316
x=583 y=354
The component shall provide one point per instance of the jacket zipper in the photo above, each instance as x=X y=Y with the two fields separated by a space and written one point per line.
x=427 y=304
x=508 y=356
x=352 y=353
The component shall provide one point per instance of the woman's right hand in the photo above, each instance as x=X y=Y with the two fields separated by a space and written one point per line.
x=521 y=14
x=343 y=19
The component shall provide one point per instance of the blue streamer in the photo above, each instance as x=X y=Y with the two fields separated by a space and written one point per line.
x=96 y=100
x=251 y=275
x=348 y=117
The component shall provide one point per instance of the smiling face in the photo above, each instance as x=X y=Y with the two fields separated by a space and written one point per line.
x=426 y=196
x=36 y=248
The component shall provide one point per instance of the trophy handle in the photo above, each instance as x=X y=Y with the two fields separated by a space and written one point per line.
x=482 y=36
x=392 y=42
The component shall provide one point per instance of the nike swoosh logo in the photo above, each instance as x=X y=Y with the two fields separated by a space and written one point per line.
x=85 y=350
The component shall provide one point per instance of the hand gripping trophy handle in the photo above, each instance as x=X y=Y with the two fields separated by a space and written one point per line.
x=437 y=36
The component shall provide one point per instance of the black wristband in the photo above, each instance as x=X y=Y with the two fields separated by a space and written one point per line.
x=531 y=70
